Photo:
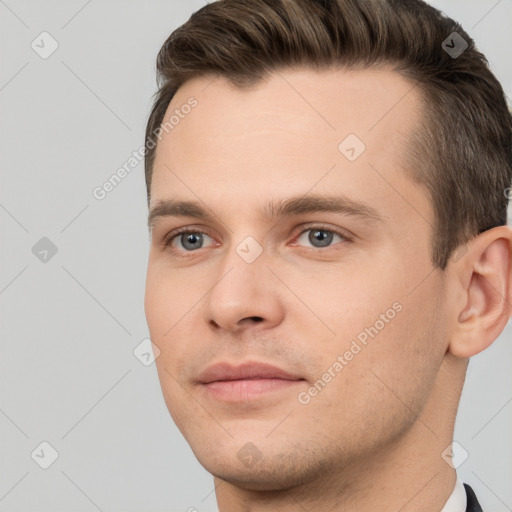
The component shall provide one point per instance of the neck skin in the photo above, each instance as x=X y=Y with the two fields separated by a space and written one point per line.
x=408 y=475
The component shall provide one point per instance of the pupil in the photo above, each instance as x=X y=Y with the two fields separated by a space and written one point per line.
x=191 y=240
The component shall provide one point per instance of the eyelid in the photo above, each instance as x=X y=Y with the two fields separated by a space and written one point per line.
x=325 y=227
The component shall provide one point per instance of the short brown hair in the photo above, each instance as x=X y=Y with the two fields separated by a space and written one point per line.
x=461 y=153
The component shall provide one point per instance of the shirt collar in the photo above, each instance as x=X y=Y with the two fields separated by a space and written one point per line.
x=457 y=502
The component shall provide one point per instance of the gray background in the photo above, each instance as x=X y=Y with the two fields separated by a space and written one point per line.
x=70 y=324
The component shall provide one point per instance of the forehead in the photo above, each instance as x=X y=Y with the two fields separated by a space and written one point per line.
x=297 y=131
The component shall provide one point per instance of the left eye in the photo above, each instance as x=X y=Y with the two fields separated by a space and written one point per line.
x=320 y=237
x=189 y=240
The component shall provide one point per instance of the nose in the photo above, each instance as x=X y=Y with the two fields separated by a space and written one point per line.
x=243 y=294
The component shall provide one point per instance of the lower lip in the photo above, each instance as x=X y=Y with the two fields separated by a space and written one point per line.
x=247 y=389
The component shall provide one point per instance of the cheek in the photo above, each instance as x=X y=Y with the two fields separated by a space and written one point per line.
x=163 y=310
x=404 y=358
x=166 y=300
x=383 y=386
x=152 y=296
x=390 y=339
x=170 y=305
x=346 y=301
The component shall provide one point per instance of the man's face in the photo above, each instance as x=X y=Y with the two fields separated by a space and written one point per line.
x=301 y=290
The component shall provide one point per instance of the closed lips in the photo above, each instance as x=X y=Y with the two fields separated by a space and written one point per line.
x=224 y=371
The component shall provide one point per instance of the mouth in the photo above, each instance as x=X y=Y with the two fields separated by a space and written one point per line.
x=248 y=381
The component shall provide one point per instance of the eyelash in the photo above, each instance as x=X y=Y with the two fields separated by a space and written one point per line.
x=166 y=243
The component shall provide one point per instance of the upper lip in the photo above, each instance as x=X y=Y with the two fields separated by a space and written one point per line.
x=247 y=370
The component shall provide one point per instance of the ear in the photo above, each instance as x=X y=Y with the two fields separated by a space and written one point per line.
x=484 y=274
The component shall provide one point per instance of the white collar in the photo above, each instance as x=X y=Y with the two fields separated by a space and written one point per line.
x=457 y=502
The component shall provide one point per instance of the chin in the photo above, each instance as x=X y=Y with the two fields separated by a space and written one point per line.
x=271 y=472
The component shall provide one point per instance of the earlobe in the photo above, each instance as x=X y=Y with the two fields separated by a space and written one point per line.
x=485 y=272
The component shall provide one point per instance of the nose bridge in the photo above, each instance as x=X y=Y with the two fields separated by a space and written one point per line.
x=243 y=270
x=243 y=288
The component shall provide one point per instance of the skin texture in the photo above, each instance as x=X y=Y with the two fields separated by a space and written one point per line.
x=372 y=438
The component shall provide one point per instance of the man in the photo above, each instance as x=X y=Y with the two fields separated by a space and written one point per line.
x=327 y=184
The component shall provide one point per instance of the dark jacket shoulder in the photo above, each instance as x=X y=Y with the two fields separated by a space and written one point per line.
x=473 y=505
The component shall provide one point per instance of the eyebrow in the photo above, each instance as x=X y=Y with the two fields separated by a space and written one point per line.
x=292 y=206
